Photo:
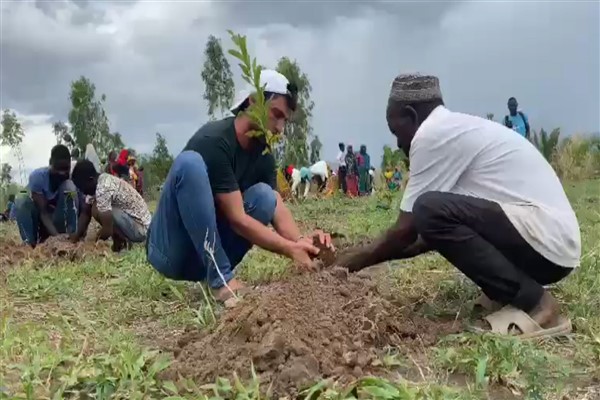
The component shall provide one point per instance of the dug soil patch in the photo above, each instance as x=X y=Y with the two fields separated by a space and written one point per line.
x=13 y=252
x=302 y=329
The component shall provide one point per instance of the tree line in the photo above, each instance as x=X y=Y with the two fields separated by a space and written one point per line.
x=87 y=123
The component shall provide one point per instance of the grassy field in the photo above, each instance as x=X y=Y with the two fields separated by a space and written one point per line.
x=102 y=328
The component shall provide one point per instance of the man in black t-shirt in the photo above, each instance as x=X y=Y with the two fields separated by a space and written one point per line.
x=220 y=195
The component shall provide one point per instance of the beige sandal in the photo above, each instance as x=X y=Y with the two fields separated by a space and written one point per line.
x=485 y=303
x=508 y=319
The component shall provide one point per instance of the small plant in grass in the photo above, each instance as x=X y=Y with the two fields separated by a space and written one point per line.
x=519 y=365
x=258 y=112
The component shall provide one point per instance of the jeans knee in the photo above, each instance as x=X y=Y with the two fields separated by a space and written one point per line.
x=260 y=201
x=425 y=209
x=189 y=159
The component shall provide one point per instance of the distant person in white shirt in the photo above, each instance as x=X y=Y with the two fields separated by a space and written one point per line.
x=341 y=159
x=469 y=199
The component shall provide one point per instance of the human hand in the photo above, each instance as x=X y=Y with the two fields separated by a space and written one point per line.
x=320 y=237
x=355 y=259
x=302 y=252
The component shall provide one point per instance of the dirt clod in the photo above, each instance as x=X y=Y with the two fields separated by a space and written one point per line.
x=300 y=330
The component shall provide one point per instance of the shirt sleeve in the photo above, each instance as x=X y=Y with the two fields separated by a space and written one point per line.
x=434 y=166
x=220 y=171
x=36 y=182
x=104 y=194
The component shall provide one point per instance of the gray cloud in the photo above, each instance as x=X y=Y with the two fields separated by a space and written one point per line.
x=314 y=13
x=147 y=56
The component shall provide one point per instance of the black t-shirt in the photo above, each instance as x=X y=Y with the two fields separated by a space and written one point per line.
x=231 y=168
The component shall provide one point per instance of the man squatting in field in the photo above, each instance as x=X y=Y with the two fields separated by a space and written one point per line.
x=117 y=206
x=219 y=196
x=486 y=200
x=51 y=208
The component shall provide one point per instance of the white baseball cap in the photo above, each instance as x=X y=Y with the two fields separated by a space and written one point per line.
x=271 y=80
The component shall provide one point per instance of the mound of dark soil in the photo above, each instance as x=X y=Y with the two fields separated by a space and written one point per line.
x=302 y=329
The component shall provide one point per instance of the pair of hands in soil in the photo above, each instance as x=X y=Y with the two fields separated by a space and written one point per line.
x=302 y=252
x=307 y=248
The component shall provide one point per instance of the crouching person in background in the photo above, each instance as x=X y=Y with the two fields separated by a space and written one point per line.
x=115 y=204
x=53 y=205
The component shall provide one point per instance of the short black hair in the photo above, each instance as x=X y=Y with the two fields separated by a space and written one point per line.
x=11 y=197
x=75 y=153
x=60 y=152
x=512 y=99
x=84 y=170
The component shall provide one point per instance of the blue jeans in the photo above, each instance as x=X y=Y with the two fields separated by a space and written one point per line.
x=130 y=228
x=64 y=214
x=186 y=218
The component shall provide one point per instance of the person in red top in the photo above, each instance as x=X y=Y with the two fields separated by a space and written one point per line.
x=121 y=168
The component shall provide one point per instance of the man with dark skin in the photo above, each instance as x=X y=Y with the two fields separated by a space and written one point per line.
x=52 y=208
x=517 y=120
x=116 y=205
x=468 y=199
x=219 y=197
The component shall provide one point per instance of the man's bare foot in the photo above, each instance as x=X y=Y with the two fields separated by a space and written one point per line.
x=547 y=312
x=224 y=293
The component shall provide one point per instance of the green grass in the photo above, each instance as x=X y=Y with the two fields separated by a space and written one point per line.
x=94 y=329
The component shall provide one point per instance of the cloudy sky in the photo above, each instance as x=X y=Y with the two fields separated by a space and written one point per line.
x=146 y=56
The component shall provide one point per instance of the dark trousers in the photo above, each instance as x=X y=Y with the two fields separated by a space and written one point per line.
x=342 y=178
x=478 y=238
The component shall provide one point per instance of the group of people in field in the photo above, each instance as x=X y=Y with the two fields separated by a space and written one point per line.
x=481 y=196
x=467 y=198
x=62 y=198
x=124 y=165
x=355 y=173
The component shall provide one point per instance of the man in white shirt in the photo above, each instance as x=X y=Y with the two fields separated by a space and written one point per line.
x=486 y=200
x=341 y=159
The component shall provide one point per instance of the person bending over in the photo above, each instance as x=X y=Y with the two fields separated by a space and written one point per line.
x=219 y=196
x=52 y=206
x=487 y=201
x=119 y=209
